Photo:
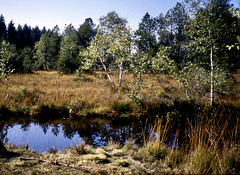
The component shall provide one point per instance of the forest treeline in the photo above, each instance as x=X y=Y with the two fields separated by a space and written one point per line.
x=188 y=32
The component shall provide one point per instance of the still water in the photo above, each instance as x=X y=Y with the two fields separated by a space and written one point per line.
x=62 y=134
x=39 y=140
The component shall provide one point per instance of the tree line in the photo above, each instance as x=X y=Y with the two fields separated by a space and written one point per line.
x=39 y=49
x=184 y=29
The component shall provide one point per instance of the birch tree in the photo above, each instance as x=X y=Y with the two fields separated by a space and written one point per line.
x=210 y=30
x=116 y=45
x=111 y=41
x=5 y=67
x=97 y=50
x=120 y=48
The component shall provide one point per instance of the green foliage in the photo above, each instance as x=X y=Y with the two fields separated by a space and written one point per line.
x=196 y=80
x=5 y=67
x=36 y=34
x=137 y=68
x=12 y=33
x=69 y=53
x=162 y=63
x=86 y=32
x=237 y=44
x=120 y=47
x=23 y=61
x=28 y=62
x=4 y=60
x=175 y=37
x=213 y=27
x=47 y=51
x=193 y=79
x=236 y=13
x=97 y=50
x=109 y=22
x=139 y=64
x=3 y=30
x=145 y=35
x=116 y=45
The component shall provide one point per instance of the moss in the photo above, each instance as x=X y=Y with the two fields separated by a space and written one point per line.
x=98 y=158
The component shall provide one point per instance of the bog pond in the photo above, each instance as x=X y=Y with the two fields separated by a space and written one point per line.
x=41 y=135
x=61 y=134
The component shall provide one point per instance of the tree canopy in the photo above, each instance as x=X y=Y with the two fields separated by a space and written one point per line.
x=189 y=30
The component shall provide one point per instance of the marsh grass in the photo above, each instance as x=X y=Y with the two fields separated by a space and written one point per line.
x=29 y=91
x=81 y=149
x=154 y=143
x=211 y=144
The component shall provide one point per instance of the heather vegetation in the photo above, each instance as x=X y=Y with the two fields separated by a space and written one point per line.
x=178 y=72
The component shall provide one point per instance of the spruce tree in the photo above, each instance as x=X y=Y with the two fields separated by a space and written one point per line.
x=3 y=29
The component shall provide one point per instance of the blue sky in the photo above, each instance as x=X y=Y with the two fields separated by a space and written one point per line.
x=60 y=12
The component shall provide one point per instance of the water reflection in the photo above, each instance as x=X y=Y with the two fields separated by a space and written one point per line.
x=64 y=133
x=39 y=139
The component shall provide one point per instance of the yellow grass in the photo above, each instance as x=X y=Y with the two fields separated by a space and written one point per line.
x=51 y=88
x=42 y=87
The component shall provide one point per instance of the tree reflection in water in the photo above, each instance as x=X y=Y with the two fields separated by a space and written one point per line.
x=96 y=132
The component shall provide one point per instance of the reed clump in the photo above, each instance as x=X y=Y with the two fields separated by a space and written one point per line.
x=211 y=144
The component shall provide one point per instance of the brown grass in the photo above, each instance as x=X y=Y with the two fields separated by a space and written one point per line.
x=41 y=87
x=212 y=147
x=27 y=91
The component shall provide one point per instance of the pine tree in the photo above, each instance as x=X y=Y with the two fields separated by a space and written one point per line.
x=3 y=30
x=36 y=34
x=69 y=51
x=12 y=33
x=86 y=32
x=176 y=18
x=145 y=34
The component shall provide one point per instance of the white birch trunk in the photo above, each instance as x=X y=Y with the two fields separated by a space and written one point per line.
x=212 y=79
x=212 y=68
x=120 y=75
x=105 y=69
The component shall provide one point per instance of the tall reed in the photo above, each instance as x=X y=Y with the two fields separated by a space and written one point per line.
x=214 y=143
x=154 y=142
x=211 y=143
